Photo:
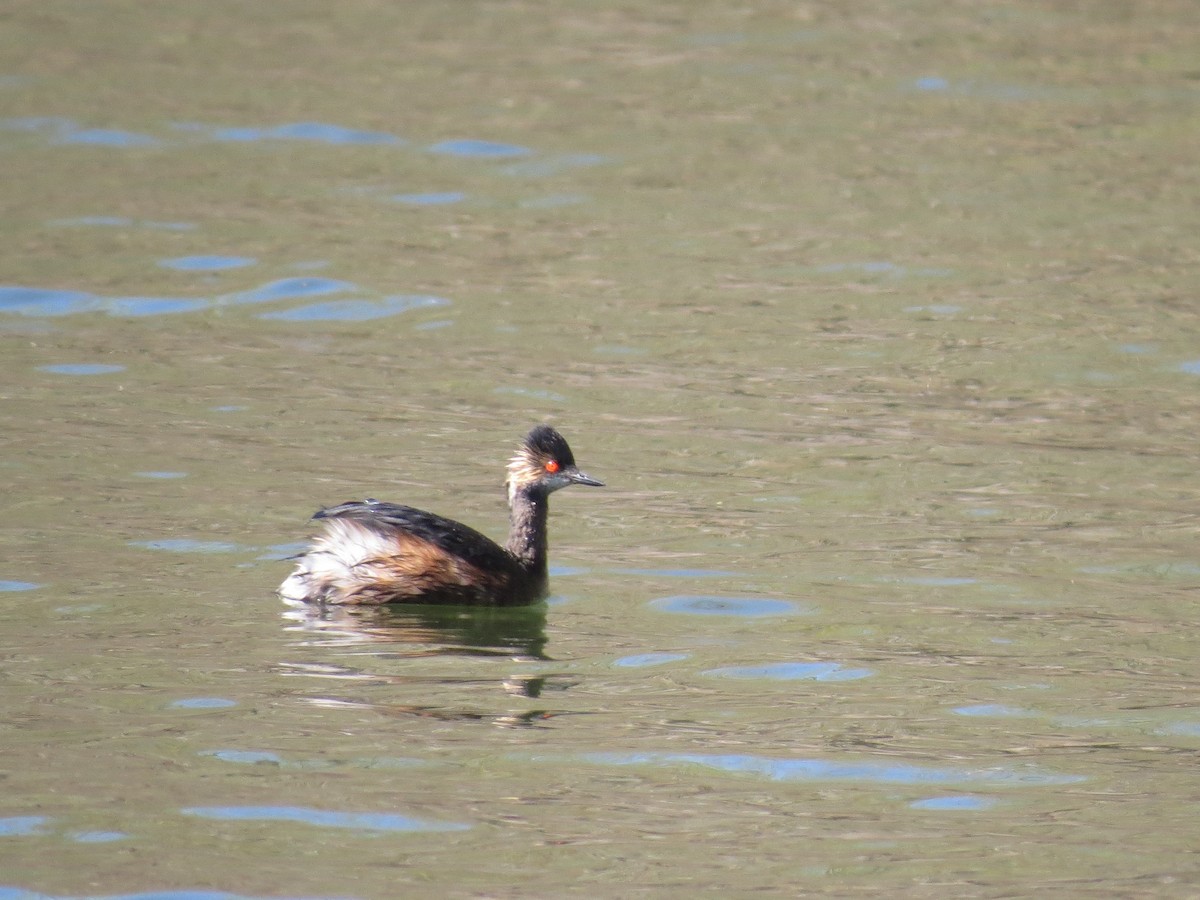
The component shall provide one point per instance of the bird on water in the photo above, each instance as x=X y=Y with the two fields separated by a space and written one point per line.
x=371 y=552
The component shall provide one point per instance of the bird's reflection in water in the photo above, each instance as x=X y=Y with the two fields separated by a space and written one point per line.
x=406 y=632
x=435 y=630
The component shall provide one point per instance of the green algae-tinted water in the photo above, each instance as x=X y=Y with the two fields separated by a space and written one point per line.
x=878 y=321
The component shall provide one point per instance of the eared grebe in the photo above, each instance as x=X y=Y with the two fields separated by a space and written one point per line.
x=375 y=552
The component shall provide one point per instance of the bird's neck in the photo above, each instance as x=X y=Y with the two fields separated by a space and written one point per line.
x=528 y=511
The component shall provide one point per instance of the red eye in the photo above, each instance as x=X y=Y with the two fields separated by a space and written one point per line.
x=552 y=466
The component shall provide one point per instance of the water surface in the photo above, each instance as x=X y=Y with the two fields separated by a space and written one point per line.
x=878 y=320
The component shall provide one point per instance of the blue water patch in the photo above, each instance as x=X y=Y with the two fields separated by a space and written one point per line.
x=285 y=551
x=560 y=571
x=642 y=660
x=1181 y=729
x=431 y=199
x=187 y=545
x=236 y=134
x=252 y=757
x=99 y=221
x=931 y=83
x=479 y=149
x=323 y=818
x=793 y=671
x=880 y=267
x=107 y=137
x=22 y=826
x=122 y=222
x=207 y=263
x=98 y=837
x=81 y=369
x=161 y=474
x=746 y=607
x=28 y=301
x=1192 y=368
x=776 y=769
x=290 y=289
x=961 y=802
x=330 y=134
x=996 y=710
x=317 y=132
x=203 y=703
x=1137 y=349
x=18 y=585
x=867 y=268
x=355 y=310
x=46 y=301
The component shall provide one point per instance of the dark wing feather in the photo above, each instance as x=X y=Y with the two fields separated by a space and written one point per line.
x=452 y=537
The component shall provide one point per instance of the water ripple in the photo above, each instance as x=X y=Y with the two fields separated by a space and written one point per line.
x=18 y=585
x=707 y=605
x=98 y=837
x=107 y=137
x=649 y=659
x=997 y=710
x=257 y=757
x=961 y=802
x=291 y=288
x=187 y=545
x=152 y=306
x=20 y=826
x=776 y=769
x=318 y=132
x=29 y=301
x=81 y=369
x=207 y=263
x=355 y=310
x=323 y=818
x=479 y=149
x=793 y=671
x=431 y=199
x=203 y=703
x=121 y=222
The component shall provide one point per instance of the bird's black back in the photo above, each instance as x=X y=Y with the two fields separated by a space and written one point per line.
x=453 y=538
